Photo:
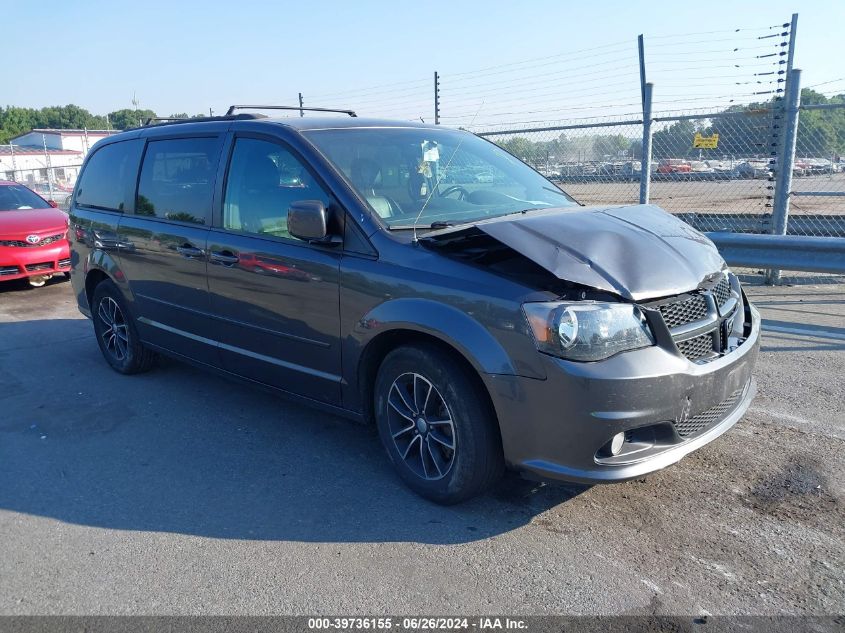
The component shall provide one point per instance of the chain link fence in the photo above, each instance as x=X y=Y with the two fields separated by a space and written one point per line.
x=817 y=196
x=51 y=183
x=597 y=161
x=716 y=170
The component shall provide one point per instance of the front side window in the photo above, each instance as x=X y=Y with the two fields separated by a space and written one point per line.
x=264 y=179
x=431 y=177
x=177 y=179
x=109 y=176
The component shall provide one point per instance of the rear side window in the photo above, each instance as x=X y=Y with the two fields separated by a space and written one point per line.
x=177 y=179
x=108 y=181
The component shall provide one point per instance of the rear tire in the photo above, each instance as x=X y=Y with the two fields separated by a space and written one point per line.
x=436 y=424
x=116 y=332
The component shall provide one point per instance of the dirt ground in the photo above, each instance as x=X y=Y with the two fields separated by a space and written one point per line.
x=721 y=196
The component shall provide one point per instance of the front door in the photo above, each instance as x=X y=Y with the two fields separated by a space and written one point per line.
x=275 y=298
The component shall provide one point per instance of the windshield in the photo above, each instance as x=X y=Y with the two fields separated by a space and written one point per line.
x=14 y=197
x=434 y=177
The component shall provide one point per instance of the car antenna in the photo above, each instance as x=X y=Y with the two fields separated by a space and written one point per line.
x=441 y=174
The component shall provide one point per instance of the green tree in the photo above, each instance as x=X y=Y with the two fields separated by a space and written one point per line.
x=128 y=118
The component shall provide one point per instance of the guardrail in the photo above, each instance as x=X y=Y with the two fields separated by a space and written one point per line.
x=783 y=252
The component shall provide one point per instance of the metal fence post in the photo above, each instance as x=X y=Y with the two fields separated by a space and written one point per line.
x=785 y=164
x=436 y=98
x=49 y=166
x=645 y=158
x=14 y=163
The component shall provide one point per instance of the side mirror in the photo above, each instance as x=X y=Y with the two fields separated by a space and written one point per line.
x=308 y=220
x=53 y=204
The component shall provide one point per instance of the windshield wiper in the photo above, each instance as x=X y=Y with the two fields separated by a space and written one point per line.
x=438 y=224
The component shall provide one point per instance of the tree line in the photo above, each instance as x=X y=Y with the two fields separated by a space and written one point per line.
x=821 y=133
x=747 y=132
x=15 y=121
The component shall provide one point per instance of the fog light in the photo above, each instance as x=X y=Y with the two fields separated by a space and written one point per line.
x=616 y=443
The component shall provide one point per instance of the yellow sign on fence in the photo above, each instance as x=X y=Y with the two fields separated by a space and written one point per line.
x=705 y=142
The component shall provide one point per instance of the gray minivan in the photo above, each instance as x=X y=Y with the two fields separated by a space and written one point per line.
x=419 y=278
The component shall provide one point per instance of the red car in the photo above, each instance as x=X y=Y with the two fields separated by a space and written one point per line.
x=33 y=236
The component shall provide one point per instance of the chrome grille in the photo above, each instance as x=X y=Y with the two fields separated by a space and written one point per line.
x=698 y=423
x=64 y=263
x=682 y=312
x=23 y=244
x=697 y=348
x=5 y=271
x=699 y=313
x=722 y=291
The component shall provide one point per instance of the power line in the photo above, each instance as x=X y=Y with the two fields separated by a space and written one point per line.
x=527 y=61
x=824 y=83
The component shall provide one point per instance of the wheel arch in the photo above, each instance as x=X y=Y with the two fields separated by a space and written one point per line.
x=373 y=355
x=100 y=266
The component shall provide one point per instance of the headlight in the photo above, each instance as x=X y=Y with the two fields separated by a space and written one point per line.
x=587 y=330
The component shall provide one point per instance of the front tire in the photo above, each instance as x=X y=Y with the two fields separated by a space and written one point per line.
x=436 y=424
x=116 y=333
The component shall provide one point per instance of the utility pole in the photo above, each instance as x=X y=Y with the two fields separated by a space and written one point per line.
x=301 y=111
x=436 y=98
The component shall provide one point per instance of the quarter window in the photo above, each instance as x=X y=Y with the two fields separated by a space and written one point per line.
x=109 y=177
x=177 y=179
x=264 y=180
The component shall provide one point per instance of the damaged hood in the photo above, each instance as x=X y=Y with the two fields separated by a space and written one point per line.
x=638 y=252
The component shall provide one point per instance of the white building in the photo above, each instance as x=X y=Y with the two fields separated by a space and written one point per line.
x=26 y=160
x=76 y=140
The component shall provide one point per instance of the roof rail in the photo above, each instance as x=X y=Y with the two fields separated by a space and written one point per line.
x=158 y=119
x=232 y=109
x=167 y=120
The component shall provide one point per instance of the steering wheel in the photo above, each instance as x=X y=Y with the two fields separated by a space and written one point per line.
x=455 y=189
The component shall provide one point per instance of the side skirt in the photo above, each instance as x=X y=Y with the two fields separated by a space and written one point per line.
x=355 y=416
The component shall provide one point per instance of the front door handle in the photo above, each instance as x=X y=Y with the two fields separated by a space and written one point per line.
x=226 y=258
x=191 y=252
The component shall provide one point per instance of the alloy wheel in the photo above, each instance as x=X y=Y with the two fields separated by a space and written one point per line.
x=114 y=333
x=421 y=426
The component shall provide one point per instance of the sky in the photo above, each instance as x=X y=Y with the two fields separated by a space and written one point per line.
x=499 y=62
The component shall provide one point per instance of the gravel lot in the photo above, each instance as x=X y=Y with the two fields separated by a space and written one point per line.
x=177 y=492
x=721 y=196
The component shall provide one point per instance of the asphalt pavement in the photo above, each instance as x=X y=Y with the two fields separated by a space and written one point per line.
x=179 y=492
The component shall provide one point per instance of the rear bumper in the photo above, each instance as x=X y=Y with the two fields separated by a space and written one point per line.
x=22 y=262
x=558 y=428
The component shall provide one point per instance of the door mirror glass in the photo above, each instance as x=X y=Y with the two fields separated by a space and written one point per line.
x=307 y=220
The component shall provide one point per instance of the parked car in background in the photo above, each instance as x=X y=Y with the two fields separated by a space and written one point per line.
x=60 y=195
x=722 y=169
x=753 y=169
x=701 y=170
x=673 y=166
x=33 y=236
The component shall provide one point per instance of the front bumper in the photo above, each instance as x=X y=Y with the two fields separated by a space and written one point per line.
x=21 y=262
x=667 y=406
